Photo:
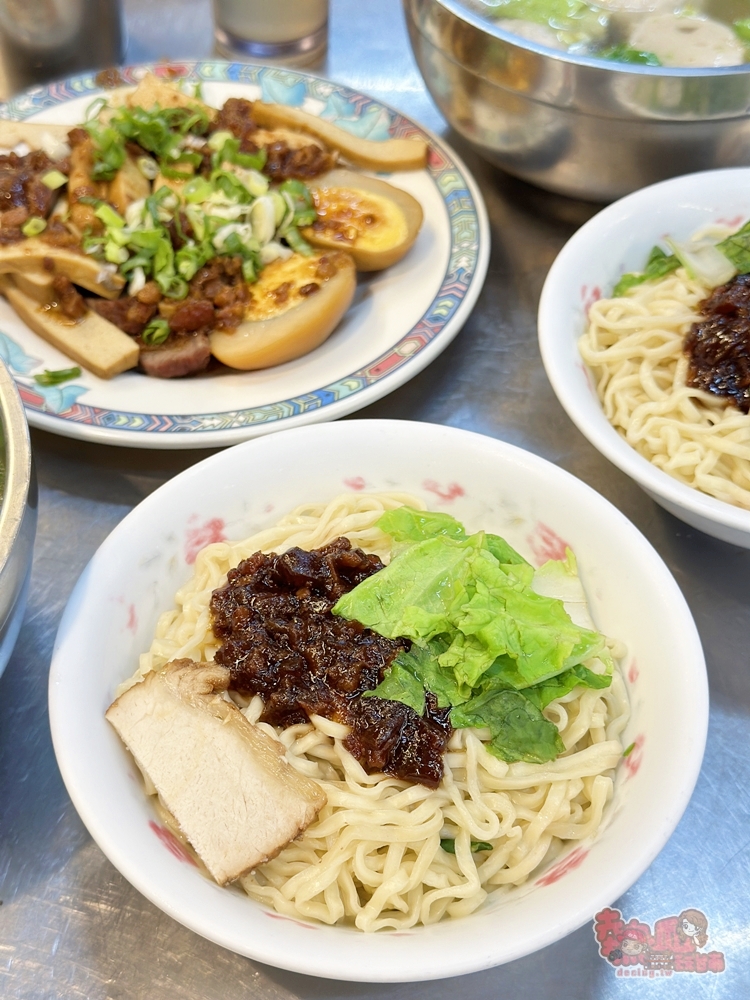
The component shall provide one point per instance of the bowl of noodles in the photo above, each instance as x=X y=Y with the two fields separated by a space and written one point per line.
x=395 y=879
x=620 y=351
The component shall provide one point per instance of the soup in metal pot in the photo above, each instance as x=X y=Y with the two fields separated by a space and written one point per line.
x=708 y=33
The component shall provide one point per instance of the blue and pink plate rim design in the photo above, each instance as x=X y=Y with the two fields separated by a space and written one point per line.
x=363 y=116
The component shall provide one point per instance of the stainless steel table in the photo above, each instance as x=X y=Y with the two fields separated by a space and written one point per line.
x=70 y=926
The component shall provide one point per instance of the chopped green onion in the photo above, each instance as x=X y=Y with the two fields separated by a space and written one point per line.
x=279 y=205
x=93 y=244
x=147 y=239
x=110 y=218
x=33 y=226
x=54 y=179
x=156 y=332
x=255 y=183
x=249 y=272
x=217 y=140
x=298 y=192
x=173 y=173
x=148 y=167
x=305 y=218
x=197 y=221
x=190 y=259
x=250 y=161
x=297 y=243
x=628 y=750
x=94 y=108
x=120 y=237
x=109 y=151
x=262 y=217
x=231 y=186
x=137 y=281
x=228 y=151
x=56 y=377
x=115 y=254
x=197 y=190
x=171 y=285
x=139 y=260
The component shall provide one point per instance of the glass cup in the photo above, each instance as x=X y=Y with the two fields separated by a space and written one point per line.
x=44 y=40
x=290 y=31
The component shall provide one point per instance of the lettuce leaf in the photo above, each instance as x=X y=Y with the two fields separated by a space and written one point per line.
x=542 y=694
x=418 y=594
x=423 y=662
x=404 y=524
x=658 y=265
x=491 y=637
x=737 y=249
x=400 y=684
x=519 y=730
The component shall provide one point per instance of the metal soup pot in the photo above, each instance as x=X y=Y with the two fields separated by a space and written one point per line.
x=580 y=126
x=18 y=514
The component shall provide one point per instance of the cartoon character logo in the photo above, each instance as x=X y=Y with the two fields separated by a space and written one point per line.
x=674 y=945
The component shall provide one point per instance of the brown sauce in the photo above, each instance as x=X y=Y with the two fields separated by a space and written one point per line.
x=280 y=640
x=718 y=347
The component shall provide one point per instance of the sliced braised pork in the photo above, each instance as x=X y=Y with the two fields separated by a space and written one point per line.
x=234 y=796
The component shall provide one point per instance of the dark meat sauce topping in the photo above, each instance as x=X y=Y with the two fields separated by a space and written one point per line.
x=22 y=193
x=283 y=162
x=280 y=640
x=718 y=346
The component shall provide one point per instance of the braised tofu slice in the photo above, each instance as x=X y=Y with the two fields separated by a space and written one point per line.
x=37 y=135
x=34 y=255
x=154 y=91
x=82 y=185
x=128 y=186
x=90 y=341
x=234 y=796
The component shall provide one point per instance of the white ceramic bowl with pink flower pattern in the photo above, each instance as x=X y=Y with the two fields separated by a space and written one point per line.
x=617 y=240
x=485 y=483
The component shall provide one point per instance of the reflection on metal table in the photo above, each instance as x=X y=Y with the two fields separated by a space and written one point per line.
x=70 y=925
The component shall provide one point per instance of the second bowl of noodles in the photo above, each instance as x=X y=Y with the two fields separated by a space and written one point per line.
x=631 y=397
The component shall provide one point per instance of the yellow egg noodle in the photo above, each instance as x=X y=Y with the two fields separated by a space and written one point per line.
x=634 y=346
x=372 y=858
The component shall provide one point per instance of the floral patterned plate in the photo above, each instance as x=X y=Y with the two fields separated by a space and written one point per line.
x=401 y=319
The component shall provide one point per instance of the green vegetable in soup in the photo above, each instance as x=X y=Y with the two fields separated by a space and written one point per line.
x=573 y=20
x=624 y=53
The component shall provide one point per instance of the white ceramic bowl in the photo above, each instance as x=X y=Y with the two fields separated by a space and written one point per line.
x=132 y=578
x=617 y=240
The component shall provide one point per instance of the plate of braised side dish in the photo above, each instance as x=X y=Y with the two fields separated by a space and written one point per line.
x=198 y=254
x=378 y=700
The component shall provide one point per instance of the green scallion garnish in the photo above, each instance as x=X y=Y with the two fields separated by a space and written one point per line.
x=57 y=377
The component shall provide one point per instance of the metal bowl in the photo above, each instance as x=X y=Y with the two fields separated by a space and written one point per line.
x=18 y=513
x=580 y=126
